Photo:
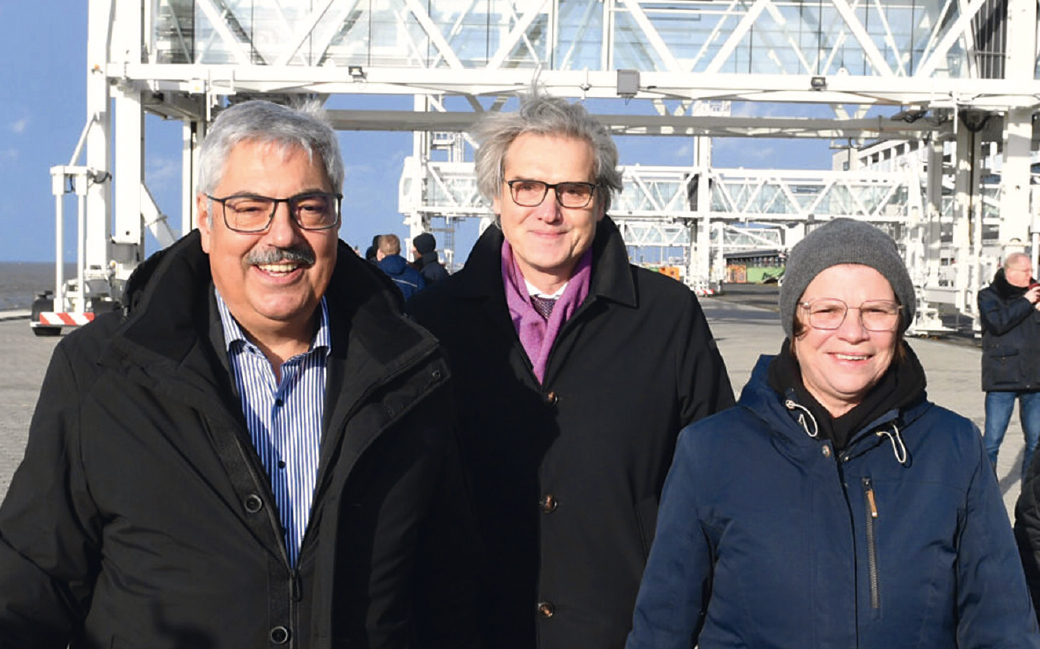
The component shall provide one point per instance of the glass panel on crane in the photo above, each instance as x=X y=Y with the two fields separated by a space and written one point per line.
x=786 y=37
x=531 y=48
x=579 y=40
x=174 y=31
x=351 y=40
x=464 y=25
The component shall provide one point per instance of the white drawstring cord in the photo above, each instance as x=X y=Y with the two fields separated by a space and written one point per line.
x=805 y=418
x=898 y=447
x=792 y=405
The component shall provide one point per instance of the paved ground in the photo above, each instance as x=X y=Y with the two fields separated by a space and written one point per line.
x=25 y=360
x=743 y=332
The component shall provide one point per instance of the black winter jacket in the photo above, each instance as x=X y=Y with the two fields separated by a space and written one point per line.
x=141 y=515
x=1010 y=338
x=567 y=475
x=433 y=271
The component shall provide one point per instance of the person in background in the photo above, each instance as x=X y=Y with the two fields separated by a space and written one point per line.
x=390 y=261
x=425 y=248
x=835 y=506
x=575 y=371
x=258 y=451
x=1008 y=313
x=370 y=252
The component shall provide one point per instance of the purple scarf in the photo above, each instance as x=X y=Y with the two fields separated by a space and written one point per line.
x=536 y=334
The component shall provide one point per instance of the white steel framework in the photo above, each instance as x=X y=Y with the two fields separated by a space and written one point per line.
x=960 y=71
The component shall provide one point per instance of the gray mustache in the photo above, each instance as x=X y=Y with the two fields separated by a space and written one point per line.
x=301 y=254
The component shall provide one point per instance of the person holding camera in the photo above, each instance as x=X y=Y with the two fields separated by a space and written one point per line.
x=1011 y=354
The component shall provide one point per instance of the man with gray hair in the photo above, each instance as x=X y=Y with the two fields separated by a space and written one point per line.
x=1008 y=313
x=257 y=451
x=574 y=371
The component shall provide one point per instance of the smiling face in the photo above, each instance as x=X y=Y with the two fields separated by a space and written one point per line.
x=840 y=366
x=548 y=240
x=267 y=279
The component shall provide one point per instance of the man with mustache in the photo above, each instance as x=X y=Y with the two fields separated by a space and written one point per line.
x=257 y=451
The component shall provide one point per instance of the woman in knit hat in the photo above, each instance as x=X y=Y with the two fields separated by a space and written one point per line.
x=835 y=506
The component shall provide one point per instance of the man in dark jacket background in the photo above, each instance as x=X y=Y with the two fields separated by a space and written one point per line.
x=390 y=261
x=1008 y=312
x=257 y=452
x=574 y=371
x=426 y=262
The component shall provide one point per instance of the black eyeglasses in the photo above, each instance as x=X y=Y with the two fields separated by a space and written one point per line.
x=829 y=313
x=251 y=213
x=531 y=193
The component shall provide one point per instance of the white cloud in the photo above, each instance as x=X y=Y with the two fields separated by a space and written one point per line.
x=752 y=109
x=753 y=148
x=162 y=173
x=355 y=172
x=19 y=126
x=9 y=155
x=761 y=153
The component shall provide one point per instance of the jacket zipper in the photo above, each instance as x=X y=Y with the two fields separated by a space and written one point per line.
x=872 y=565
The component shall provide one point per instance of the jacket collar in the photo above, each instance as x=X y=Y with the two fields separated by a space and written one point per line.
x=794 y=423
x=170 y=320
x=1004 y=288
x=611 y=272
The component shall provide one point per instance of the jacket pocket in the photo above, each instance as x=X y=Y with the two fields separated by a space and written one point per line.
x=646 y=515
x=1003 y=369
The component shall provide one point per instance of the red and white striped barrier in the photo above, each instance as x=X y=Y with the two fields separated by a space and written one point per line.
x=67 y=319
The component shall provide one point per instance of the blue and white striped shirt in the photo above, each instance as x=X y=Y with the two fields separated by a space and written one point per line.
x=284 y=419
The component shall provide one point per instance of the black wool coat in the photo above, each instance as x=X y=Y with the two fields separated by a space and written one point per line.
x=141 y=515
x=567 y=475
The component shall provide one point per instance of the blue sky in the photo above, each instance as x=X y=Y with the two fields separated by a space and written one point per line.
x=44 y=74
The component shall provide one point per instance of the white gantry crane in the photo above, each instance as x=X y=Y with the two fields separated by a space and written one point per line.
x=935 y=104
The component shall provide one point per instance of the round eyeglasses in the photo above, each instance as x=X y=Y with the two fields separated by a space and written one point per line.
x=829 y=313
x=252 y=213
x=531 y=193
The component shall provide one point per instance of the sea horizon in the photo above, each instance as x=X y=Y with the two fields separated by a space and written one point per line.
x=22 y=281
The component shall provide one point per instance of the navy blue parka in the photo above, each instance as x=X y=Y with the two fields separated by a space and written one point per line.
x=766 y=539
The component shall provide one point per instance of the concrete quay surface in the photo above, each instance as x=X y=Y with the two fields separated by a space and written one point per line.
x=743 y=333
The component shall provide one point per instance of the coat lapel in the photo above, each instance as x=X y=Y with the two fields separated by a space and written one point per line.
x=372 y=345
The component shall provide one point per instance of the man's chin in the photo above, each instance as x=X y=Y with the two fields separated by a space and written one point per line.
x=286 y=311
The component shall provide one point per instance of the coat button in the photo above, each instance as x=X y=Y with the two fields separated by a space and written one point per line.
x=552 y=398
x=436 y=374
x=280 y=635
x=826 y=450
x=548 y=503
x=253 y=503
x=546 y=609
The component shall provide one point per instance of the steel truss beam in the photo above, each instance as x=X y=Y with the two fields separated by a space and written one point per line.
x=880 y=51
x=737 y=195
x=875 y=128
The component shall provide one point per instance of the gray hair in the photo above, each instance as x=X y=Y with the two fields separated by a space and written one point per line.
x=1013 y=259
x=540 y=114
x=262 y=121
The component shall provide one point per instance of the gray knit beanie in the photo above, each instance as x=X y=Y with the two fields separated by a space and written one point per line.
x=844 y=241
